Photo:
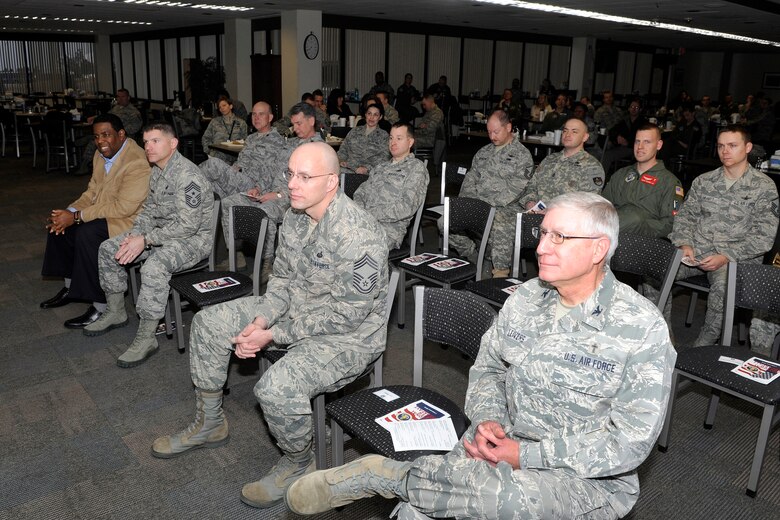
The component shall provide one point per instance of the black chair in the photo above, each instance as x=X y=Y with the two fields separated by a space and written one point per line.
x=350 y=182
x=247 y=223
x=373 y=371
x=6 y=124
x=22 y=125
x=492 y=289
x=648 y=257
x=750 y=286
x=461 y=215
x=55 y=128
x=452 y=175
x=455 y=318
x=408 y=248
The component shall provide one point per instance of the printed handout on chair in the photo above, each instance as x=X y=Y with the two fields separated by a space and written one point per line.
x=215 y=284
x=421 y=258
x=539 y=206
x=758 y=370
x=435 y=434
x=449 y=263
x=417 y=411
x=512 y=288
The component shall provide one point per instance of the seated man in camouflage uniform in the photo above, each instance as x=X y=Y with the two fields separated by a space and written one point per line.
x=646 y=195
x=499 y=173
x=571 y=169
x=730 y=214
x=432 y=120
x=172 y=232
x=325 y=304
x=395 y=190
x=255 y=179
x=566 y=397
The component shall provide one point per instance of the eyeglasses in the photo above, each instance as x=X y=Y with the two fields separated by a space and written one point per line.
x=555 y=237
x=303 y=177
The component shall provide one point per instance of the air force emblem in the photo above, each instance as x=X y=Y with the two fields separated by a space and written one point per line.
x=192 y=195
x=365 y=274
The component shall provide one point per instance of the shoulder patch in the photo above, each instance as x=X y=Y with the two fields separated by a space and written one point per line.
x=365 y=274
x=775 y=208
x=192 y=195
x=598 y=181
x=678 y=190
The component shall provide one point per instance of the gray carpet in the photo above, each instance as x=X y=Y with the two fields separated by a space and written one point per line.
x=77 y=430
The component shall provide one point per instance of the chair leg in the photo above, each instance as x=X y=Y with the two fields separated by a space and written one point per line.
x=400 y=298
x=133 y=271
x=179 y=328
x=320 y=440
x=691 y=308
x=336 y=444
x=712 y=409
x=663 y=439
x=168 y=321
x=524 y=268
x=758 y=458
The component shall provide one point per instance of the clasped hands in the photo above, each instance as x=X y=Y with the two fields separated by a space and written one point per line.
x=254 y=338
x=708 y=263
x=492 y=445
x=129 y=249
x=59 y=219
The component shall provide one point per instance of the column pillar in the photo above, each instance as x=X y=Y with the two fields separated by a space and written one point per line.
x=103 y=64
x=299 y=73
x=237 y=60
x=583 y=62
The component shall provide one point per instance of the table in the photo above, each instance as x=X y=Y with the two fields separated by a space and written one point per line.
x=235 y=149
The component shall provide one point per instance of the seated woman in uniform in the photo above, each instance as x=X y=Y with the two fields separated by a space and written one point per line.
x=365 y=146
x=224 y=127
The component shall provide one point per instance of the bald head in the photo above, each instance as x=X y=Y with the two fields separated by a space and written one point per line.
x=262 y=117
x=313 y=178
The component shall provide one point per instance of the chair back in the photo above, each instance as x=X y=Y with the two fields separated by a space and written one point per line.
x=473 y=216
x=749 y=286
x=452 y=173
x=350 y=182
x=250 y=224
x=524 y=237
x=455 y=318
x=55 y=127
x=214 y=223
x=650 y=257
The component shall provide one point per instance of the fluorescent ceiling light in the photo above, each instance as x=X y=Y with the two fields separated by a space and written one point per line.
x=165 y=3
x=547 y=8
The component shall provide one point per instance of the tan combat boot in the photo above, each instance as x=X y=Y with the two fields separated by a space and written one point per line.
x=143 y=346
x=114 y=317
x=208 y=430
x=269 y=491
x=365 y=477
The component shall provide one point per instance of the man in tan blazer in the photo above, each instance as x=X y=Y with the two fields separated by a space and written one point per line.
x=114 y=197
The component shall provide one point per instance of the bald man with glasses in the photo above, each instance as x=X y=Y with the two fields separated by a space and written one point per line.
x=325 y=304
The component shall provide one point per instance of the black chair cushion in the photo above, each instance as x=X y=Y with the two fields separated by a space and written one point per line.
x=453 y=276
x=184 y=285
x=703 y=362
x=490 y=289
x=356 y=413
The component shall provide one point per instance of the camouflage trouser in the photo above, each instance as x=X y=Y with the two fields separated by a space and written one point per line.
x=452 y=485
x=713 y=319
x=312 y=366
x=156 y=272
x=763 y=330
x=224 y=180
x=500 y=242
x=273 y=208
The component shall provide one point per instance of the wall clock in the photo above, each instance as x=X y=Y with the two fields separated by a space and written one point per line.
x=311 y=46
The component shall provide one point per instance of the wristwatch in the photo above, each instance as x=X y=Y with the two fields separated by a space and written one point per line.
x=77 y=217
x=147 y=245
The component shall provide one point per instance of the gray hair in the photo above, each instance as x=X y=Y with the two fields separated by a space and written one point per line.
x=597 y=215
